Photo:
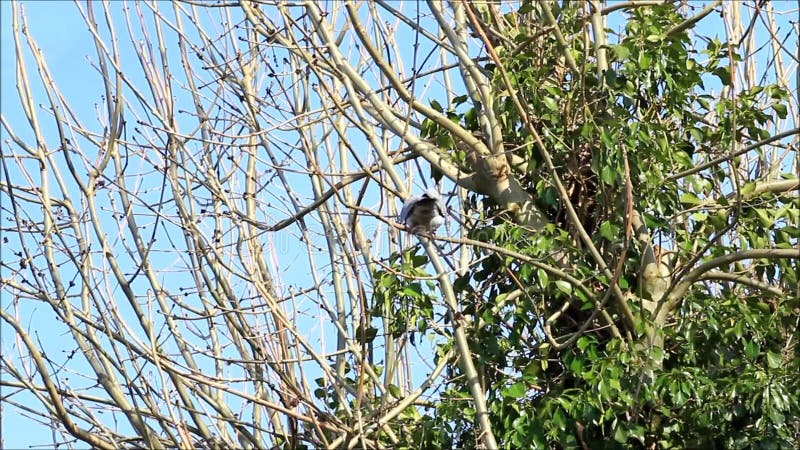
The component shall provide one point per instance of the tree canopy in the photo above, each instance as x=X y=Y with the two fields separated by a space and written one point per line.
x=200 y=249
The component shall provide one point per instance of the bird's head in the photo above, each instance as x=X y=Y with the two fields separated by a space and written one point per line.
x=431 y=193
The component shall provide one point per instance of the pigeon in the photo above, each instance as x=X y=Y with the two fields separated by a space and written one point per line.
x=423 y=214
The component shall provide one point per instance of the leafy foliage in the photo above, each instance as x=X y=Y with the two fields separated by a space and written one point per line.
x=726 y=375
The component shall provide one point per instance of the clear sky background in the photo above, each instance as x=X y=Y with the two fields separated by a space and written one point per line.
x=61 y=34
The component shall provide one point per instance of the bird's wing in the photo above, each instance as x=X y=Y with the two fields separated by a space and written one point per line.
x=408 y=206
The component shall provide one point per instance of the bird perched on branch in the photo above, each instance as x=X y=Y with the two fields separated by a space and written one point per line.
x=424 y=213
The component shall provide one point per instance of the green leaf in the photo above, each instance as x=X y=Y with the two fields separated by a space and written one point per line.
x=638 y=433
x=559 y=420
x=780 y=110
x=549 y=197
x=774 y=360
x=678 y=395
x=525 y=273
x=445 y=141
x=471 y=118
x=542 y=277
x=765 y=217
x=662 y=143
x=776 y=417
x=751 y=350
x=608 y=174
x=461 y=283
x=564 y=287
x=583 y=342
x=620 y=434
x=644 y=61
x=410 y=413
x=419 y=260
x=654 y=38
x=367 y=336
x=613 y=80
x=621 y=51
x=553 y=90
x=748 y=187
x=609 y=231
x=516 y=390
x=724 y=75
x=413 y=291
x=576 y=365
x=689 y=199
x=550 y=103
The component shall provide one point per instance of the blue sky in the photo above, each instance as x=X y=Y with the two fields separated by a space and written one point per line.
x=50 y=23
x=58 y=29
x=53 y=25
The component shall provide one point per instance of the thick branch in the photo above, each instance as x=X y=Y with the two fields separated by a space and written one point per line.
x=674 y=298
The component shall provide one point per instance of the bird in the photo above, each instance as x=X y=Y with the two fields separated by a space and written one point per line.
x=423 y=214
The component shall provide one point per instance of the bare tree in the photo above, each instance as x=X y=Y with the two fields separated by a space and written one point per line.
x=213 y=260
